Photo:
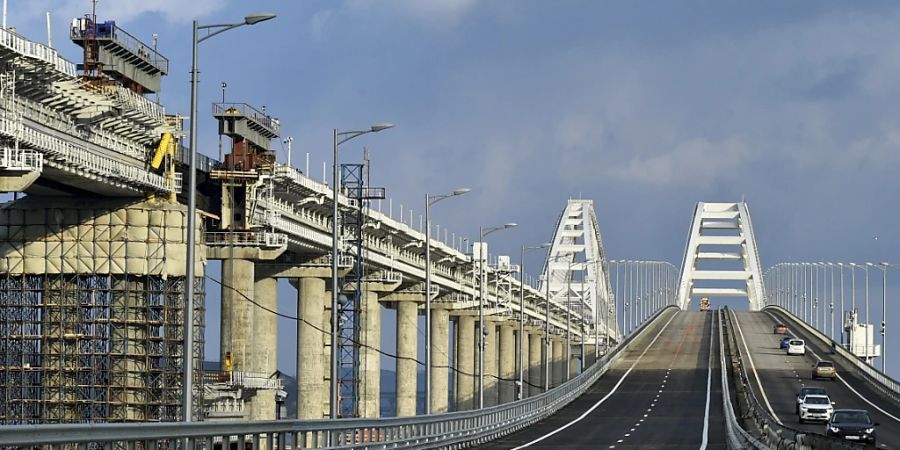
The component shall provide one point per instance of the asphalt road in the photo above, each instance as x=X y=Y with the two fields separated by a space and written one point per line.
x=782 y=377
x=655 y=397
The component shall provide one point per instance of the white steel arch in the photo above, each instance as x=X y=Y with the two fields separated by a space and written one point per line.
x=721 y=232
x=579 y=271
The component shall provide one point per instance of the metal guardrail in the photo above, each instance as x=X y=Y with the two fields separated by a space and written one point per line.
x=883 y=383
x=738 y=437
x=246 y=239
x=451 y=430
x=774 y=433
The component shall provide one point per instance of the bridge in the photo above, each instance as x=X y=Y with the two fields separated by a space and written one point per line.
x=599 y=352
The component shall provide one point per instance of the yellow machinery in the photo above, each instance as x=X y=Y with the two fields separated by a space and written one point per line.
x=704 y=304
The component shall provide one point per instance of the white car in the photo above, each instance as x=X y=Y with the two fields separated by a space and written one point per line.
x=796 y=347
x=816 y=407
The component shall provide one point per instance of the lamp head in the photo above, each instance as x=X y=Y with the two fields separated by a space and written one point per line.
x=510 y=225
x=546 y=245
x=253 y=19
x=381 y=126
x=461 y=191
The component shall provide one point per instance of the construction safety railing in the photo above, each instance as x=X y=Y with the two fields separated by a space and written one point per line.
x=451 y=430
x=888 y=386
x=17 y=159
x=246 y=239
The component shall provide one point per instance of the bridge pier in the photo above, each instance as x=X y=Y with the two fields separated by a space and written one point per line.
x=490 y=363
x=507 y=360
x=558 y=366
x=524 y=344
x=264 y=345
x=440 y=351
x=535 y=363
x=311 y=388
x=236 y=335
x=465 y=356
x=407 y=305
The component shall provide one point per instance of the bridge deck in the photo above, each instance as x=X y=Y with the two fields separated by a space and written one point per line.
x=782 y=377
x=652 y=399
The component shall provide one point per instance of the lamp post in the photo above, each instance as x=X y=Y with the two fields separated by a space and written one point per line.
x=188 y=383
x=521 y=391
x=884 y=269
x=339 y=138
x=866 y=270
x=841 y=326
x=430 y=200
x=482 y=232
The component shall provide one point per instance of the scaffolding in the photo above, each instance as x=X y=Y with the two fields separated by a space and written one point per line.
x=92 y=348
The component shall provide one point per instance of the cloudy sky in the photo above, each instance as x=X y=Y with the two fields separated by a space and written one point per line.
x=645 y=107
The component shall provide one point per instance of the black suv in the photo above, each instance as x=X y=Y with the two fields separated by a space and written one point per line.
x=851 y=424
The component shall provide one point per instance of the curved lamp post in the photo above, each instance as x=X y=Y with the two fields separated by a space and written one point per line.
x=521 y=390
x=482 y=232
x=188 y=383
x=430 y=200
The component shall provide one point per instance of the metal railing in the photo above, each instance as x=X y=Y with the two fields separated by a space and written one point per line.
x=245 y=110
x=883 y=383
x=17 y=159
x=246 y=239
x=451 y=430
x=738 y=437
x=41 y=52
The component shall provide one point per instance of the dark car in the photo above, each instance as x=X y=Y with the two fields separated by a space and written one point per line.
x=809 y=390
x=852 y=425
x=784 y=342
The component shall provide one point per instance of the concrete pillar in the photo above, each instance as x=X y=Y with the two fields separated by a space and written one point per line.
x=263 y=359
x=507 y=363
x=558 y=367
x=370 y=359
x=491 y=364
x=535 y=364
x=440 y=355
x=311 y=389
x=465 y=380
x=574 y=362
x=237 y=298
x=407 y=312
x=525 y=350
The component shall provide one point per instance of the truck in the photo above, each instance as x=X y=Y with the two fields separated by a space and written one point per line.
x=704 y=304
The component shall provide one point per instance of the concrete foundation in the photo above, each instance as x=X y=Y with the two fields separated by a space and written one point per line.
x=491 y=365
x=465 y=375
x=507 y=363
x=407 y=312
x=311 y=389
x=535 y=363
x=440 y=358
x=237 y=307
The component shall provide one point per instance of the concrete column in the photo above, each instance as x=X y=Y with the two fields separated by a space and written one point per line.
x=465 y=381
x=264 y=345
x=574 y=362
x=535 y=366
x=525 y=344
x=407 y=312
x=491 y=364
x=440 y=356
x=326 y=355
x=558 y=367
x=507 y=363
x=311 y=389
x=237 y=298
x=370 y=359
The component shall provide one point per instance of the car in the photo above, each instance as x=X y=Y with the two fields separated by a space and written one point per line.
x=824 y=369
x=780 y=328
x=809 y=390
x=852 y=425
x=784 y=342
x=815 y=407
x=796 y=347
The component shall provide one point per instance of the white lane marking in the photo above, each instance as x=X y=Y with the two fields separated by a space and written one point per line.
x=753 y=368
x=708 y=389
x=605 y=397
x=839 y=377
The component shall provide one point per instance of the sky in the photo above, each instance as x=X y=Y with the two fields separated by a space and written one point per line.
x=645 y=107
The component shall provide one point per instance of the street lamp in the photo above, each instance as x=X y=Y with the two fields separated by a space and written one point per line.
x=188 y=383
x=482 y=232
x=339 y=138
x=430 y=200
x=521 y=391
x=884 y=269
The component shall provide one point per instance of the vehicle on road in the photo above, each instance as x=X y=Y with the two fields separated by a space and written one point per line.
x=809 y=390
x=704 y=304
x=780 y=328
x=824 y=369
x=815 y=407
x=852 y=425
x=796 y=347
x=784 y=342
